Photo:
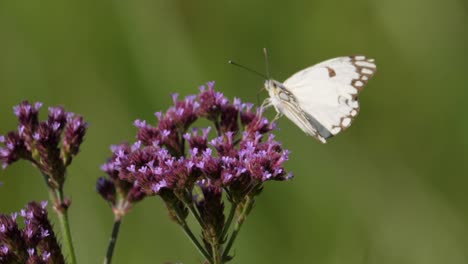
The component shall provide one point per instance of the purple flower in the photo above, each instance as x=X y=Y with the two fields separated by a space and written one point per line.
x=197 y=141
x=36 y=237
x=156 y=187
x=224 y=144
x=229 y=119
x=106 y=188
x=28 y=117
x=14 y=149
x=4 y=249
x=46 y=256
x=258 y=124
x=57 y=119
x=147 y=134
x=109 y=187
x=230 y=160
x=44 y=143
x=211 y=102
x=210 y=165
x=191 y=169
x=75 y=130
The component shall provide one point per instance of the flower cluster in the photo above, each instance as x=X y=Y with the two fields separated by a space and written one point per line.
x=166 y=156
x=190 y=168
x=35 y=243
x=50 y=145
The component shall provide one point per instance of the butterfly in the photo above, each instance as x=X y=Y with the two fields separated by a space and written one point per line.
x=322 y=100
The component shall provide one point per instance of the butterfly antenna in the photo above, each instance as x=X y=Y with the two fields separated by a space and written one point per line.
x=248 y=69
x=266 y=77
x=267 y=71
x=267 y=64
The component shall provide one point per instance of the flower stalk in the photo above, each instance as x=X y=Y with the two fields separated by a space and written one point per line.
x=61 y=209
x=232 y=212
x=188 y=232
x=121 y=196
x=245 y=209
x=112 y=241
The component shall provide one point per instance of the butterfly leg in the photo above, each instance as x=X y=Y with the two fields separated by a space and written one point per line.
x=277 y=116
x=266 y=103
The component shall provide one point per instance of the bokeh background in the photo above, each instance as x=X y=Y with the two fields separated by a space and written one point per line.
x=392 y=189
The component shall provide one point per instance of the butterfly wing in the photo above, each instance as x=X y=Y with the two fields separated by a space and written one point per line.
x=328 y=91
x=303 y=120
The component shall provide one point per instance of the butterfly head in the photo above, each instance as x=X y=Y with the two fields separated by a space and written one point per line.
x=273 y=87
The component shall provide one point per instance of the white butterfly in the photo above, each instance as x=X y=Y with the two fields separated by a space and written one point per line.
x=322 y=99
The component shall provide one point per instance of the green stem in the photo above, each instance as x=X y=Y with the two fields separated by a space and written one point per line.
x=62 y=212
x=195 y=213
x=216 y=254
x=192 y=208
x=233 y=237
x=228 y=223
x=194 y=240
x=191 y=236
x=113 y=240
x=240 y=220
x=218 y=127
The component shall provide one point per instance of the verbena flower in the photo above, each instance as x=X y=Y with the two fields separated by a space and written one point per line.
x=50 y=145
x=191 y=168
x=34 y=242
x=119 y=193
x=168 y=156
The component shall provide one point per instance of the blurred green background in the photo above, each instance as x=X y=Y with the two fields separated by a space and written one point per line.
x=392 y=189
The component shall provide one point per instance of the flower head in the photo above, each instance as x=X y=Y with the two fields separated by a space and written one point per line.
x=167 y=157
x=35 y=242
x=44 y=143
x=75 y=130
x=211 y=102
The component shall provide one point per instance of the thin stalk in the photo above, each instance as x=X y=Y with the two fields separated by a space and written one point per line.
x=233 y=237
x=240 y=220
x=228 y=223
x=193 y=210
x=62 y=212
x=113 y=240
x=216 y=254
x=218 y=127
x=192 y=237
x=194 y=240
